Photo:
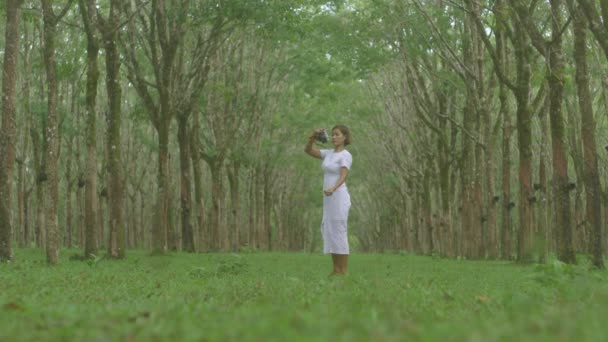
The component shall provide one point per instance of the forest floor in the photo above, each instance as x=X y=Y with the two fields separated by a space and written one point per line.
x=288 y=297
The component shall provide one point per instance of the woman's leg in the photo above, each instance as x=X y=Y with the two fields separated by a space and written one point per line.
x=342 y=263
x=336 y=263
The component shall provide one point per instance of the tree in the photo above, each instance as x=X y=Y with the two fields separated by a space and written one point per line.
x=597 y=21
x=108 y=29
x=8 y=126
x=89 y=18
x=179 y=77
x=591 y=174
x=52 y=129
x=553 y=53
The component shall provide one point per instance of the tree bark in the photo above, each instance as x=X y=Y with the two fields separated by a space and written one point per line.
x=235 y=217
x=544 y=207
x=203 y=235
x=524 y=138
x=186 y=185
x=556 y=81
x=591 y=174
x=67 y=237
x=89 y=18
x=218 y=234
x=8 y=129
x=597 y=23
x=52 y=132
x=109 y=33
x=160 y=237
x=26 y=98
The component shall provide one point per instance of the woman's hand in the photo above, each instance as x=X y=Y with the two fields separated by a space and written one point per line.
x=315 y=132
x=329 y=192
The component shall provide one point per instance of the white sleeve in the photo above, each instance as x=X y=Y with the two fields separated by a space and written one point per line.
x=323 y=153
x=346 y=160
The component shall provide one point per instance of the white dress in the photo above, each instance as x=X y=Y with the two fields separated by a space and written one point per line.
x=336 y=206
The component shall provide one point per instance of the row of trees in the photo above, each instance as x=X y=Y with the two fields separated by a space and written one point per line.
x=474 y=124
x=494 y=108
x=222 y=72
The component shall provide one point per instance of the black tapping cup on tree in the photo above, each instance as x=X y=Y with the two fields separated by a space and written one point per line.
x=322 y=136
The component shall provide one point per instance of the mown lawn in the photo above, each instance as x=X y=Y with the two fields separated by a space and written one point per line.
x=288 y=297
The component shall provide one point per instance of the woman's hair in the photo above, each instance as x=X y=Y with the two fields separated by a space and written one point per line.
x=345 y=131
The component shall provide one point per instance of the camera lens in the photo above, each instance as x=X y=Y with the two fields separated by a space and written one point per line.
x=322 y=136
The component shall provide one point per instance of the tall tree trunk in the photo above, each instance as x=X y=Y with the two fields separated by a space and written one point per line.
x=565 y=250
x=186 y=184
x=218 y=234
x=144 y=236
x=470 y=218
x=38 y=147
x=88 y=12
x=8 y=129
x=427 y=226
x=580 y=229
x=445 y=224
x=268 y=234
x=251 y=236
x=67 y=237
x=591 y=174
x=203 y=235
x=234 y=218
x=544 y=207
x=524 y=138
x=26 y=98
x=502 y=62
x=116 y=243
x=52 y=139
x=21 y=228
x=162 y=223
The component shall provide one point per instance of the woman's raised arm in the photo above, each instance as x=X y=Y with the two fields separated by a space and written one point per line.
x=309 y=149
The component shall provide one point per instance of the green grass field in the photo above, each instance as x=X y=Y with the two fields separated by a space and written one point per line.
x=281 y=296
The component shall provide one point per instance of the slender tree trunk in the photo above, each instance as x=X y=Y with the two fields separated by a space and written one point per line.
x=67 y=238
x=218 y=232
x=25 y=93
x=40 y=229
x=52 y=138
x=116 y=243
x=8 y=129
x=580 y=231
x=445 y=231
x=481 y=151
x=144 y=235
x=591 y=174
x=88 y=12
x=524 y=138
x=426 y=215
x=162 y=223
x=174 y=235
x=268 y=234
x=203 y=236
x=186 y=185
x=21 y=228
x=490 y=199
x=251 y=236
x=81 y=213
x=565 y=250
x=543 y=206
x=469 y=222
x=506 y=231
x=234 y=220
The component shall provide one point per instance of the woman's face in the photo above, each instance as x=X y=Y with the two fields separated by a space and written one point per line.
x=337 y=138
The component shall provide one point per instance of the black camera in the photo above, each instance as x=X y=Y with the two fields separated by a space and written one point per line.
x=322 y=137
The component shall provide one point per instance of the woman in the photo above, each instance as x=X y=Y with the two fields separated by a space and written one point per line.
x=336 y=199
